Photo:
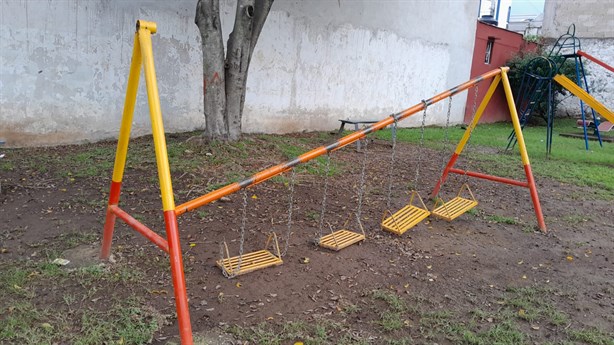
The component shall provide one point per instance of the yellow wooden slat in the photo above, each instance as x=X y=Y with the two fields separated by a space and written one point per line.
x=340 y=239
x=249 y=262
x=404 y=219
x=454 y=208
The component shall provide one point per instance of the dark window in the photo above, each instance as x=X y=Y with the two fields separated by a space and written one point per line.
x=489 y=45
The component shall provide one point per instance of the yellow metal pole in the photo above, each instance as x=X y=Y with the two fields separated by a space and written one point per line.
x=523 y=152
x=514 y=115
x=157 y=126
x=122 y=147
x=145 y=29
x=478 y=114
x=126 y=124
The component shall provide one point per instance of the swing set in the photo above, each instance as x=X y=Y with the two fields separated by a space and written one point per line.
x=395 y=222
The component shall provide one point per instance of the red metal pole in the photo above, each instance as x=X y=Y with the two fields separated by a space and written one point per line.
x=490 y=177
x=595 y=60
x=536 y=205
x=444 y=175
x=179 y=286
x=109 y=224
x=140 y=228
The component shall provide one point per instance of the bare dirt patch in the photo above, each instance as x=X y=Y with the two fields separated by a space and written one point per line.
x=458 y=269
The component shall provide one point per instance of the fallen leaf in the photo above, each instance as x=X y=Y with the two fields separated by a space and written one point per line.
x=521 y=312
x=524 y=277
x=254 y=196
x=46 y=326
x=192 y=244
x=238 y=285
x=569 y=258
x=305 y=260
x=535 y=327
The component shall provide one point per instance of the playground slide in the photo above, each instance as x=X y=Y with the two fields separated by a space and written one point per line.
x=584 y=96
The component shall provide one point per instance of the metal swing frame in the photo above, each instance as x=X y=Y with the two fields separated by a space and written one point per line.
x=142 y=58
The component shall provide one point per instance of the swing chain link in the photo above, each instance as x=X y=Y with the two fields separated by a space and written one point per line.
x=243 y=221
x=325 y=192
x=392 y=161
x=471 y=128
x=421 y=144
x=446 y=141
x=361 y=190
x=290 y=207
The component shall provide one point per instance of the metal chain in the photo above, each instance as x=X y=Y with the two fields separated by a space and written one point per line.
x=361 y=190
x=471 y=128
x=243 y=220
x=325 y=192
x=419 y=157
x=290 y=206
x=446 y=141
x=392 y=160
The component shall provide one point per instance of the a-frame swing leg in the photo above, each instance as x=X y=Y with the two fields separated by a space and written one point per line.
x=143 y=53
x=530 y=183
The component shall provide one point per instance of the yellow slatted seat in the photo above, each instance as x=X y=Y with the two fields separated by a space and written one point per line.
x=456 y=207
x=340 y=239
x=405 y=218
x=251 y=261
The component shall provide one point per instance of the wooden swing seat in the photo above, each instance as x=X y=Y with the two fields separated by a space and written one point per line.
x=405 y=218
x=251 y=261
x=456 y=207
x=340 y=239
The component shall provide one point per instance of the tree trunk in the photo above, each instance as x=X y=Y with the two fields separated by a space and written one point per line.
x=208 y=21
x=225 y=81
x=239 y=50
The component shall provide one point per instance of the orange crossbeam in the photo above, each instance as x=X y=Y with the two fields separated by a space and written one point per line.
x=322 y=150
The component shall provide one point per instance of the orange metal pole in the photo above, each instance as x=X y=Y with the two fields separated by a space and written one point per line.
x=322 y=150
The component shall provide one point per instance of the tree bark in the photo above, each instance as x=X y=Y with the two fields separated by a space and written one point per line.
x=239 y=46
x=208 y=21
x=225 y=81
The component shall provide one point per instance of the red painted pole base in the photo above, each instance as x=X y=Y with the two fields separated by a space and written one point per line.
x=109 y=224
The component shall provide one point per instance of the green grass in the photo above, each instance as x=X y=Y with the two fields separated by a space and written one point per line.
x=123 y=323
x=591 y=336
x=72 y=319
x=395 y=302
x=568 y=163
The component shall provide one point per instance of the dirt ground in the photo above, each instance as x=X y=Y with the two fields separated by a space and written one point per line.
x=458 y=267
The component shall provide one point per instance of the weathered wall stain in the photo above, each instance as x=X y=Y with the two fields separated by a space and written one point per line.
x=64 y=64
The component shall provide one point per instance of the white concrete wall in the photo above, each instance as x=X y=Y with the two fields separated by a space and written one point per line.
x=593 y=18
x=64 y=64
x=594 y=21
